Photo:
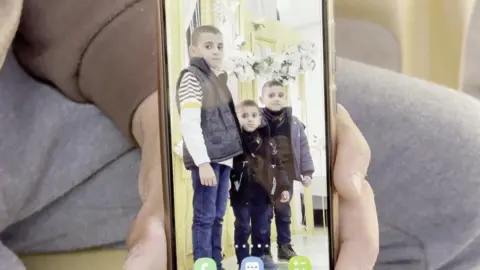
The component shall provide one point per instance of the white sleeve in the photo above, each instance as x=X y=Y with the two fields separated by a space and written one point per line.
x=190 y=98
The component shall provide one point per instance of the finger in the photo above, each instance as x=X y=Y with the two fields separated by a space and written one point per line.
x=352 y=156
x=141 y=256
x=360 y=243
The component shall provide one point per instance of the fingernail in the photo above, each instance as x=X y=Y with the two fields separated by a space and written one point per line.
x=356 y=181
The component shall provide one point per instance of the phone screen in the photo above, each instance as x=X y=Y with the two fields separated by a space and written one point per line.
x=248 y=104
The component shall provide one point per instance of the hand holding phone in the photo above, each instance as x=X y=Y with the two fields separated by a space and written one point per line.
x=207 y=175
x=358 y=231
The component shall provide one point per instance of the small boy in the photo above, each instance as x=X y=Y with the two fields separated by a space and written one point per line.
x=258 y=182
x=289 y=135
x=211 y=135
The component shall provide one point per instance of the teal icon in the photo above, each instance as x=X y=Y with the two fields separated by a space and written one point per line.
x=205 y=264
x=252 y=263
x=299 y=263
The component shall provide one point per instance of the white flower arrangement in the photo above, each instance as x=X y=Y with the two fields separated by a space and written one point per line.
x=241 y=64
x=284 y=67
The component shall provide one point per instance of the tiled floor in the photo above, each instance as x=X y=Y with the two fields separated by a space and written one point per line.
x=314 y=247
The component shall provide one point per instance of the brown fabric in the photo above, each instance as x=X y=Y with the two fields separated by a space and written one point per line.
x=9 y=16
x=98 y=51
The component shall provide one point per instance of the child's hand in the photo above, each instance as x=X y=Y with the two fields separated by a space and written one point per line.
x=307 y=181
x=285 y=196
x=207 y=175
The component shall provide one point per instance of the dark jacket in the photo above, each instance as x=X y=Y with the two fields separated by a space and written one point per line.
x=219 y=123
x=258 y=167
x=302 y=159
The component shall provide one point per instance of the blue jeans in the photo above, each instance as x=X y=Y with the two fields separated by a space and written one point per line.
x=283 y=216
x=209 y=206
x=258 y=213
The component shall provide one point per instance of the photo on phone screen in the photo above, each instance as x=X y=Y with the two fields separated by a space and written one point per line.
x=247 y=100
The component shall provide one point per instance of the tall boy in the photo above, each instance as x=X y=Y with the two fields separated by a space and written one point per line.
x=211 y=137
x=259 y=182
x=289 y=134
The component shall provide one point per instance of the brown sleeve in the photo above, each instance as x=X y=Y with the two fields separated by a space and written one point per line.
x=97 y=51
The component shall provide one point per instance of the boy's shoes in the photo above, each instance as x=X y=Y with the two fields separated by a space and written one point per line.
x=268 y=263
x=286 y=252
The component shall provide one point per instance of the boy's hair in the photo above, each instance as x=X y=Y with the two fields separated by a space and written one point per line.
x=271 y=83
x=201 y=30
x=247 y=103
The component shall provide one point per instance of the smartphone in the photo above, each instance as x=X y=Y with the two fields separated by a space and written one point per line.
x=247 y=130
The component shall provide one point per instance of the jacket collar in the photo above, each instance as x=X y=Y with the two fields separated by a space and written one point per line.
x=201 y=64
x=288 y=111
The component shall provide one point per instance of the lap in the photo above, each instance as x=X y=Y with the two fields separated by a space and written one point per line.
x=96 y=213
x=52 y=150
x=425 y=142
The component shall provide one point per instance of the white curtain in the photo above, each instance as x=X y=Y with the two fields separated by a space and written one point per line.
x=267 y=9
x=311 y=11
x=188 y=10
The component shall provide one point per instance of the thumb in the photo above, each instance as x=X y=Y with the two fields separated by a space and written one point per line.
x=352 y=157
x=358 y=232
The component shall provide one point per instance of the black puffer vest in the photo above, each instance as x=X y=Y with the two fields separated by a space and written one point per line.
x=219 y=123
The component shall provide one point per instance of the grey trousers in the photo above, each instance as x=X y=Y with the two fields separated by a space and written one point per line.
x=425 y=172
x=425 y=142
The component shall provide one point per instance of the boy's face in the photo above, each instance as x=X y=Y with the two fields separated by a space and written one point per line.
x=210 y=47
x=249 y=118
x=274 y=98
